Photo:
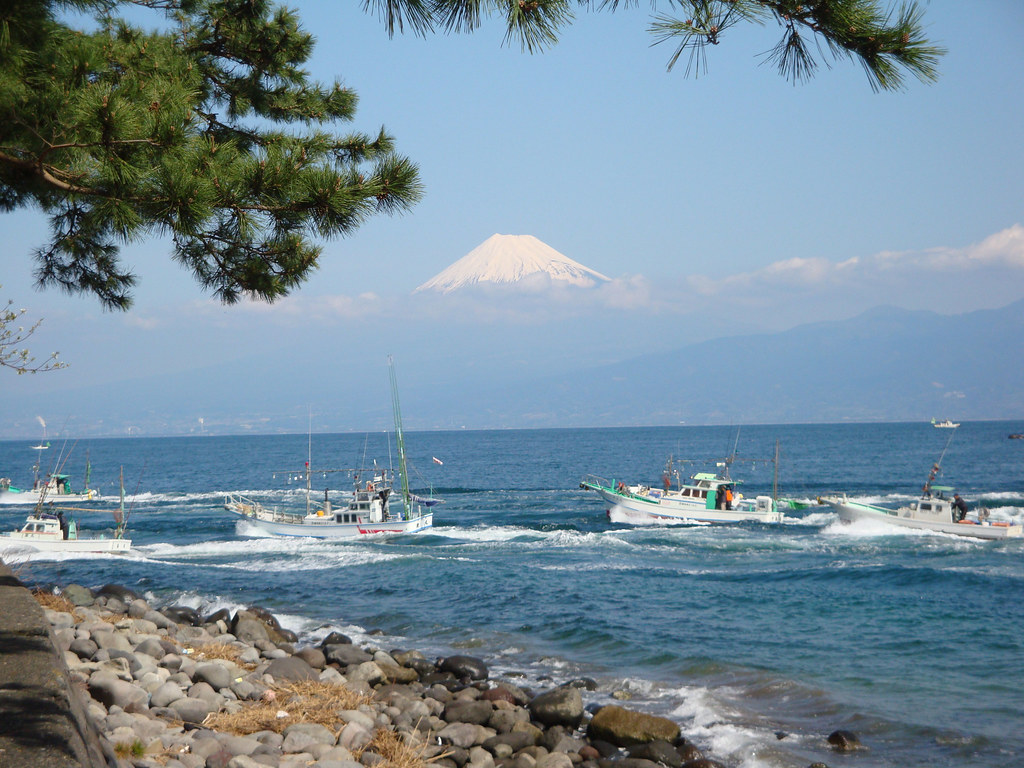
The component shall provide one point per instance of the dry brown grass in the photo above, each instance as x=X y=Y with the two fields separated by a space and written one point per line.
x=309 y=701
x=397 y=753
x=218 y=650
x=53 y=602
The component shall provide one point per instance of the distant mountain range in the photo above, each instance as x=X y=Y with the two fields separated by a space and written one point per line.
x=884 y=365
x=510 y=259
x=887 y=364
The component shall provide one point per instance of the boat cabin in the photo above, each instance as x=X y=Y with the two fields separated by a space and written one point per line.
x=937 y=507
x=47 y=526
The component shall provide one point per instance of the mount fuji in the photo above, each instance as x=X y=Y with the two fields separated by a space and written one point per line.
x=509 y=259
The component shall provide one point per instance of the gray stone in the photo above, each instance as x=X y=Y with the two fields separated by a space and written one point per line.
x=312 y=656
x=216 y=675
x=368 y=672
x=464 y=735
x=657 y=751
x=244 y=761
x=76 y=594
x=191 y=710
x=165 y=694
x=114 y=605
x=249 y=628
x=356 y=716
x=240 y=745
x=561 y=706
x=354 y=737
x=83 y=647
x=344 y=655
x=478 y=712
x=159 y=619
x=464 y=667
x=107 y=640
x=316 y=732
x=514 y=741
x=110 y=690
x=554 y=760
x=292 y=669
x=151 y=647
x=297 y=741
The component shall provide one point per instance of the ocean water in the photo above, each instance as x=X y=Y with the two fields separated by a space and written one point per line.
x=740 y=633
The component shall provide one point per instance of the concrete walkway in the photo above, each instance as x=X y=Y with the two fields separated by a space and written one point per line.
x=43 y=722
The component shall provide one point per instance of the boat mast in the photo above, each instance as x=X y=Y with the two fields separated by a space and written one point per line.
x=400 y=440
x=119 y=515
x=937 y=466
x=309 y=459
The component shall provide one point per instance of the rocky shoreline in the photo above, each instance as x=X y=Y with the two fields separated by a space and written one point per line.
x=170 y=688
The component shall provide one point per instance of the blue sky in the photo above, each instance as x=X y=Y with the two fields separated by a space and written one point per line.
x=731 y=203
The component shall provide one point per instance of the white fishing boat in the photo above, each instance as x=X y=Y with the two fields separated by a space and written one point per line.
x=938 y=509
x=934 y=511
x=48 y=531
x=372 y=508
x=53 y=488
x=945 y=424
x=702 y=498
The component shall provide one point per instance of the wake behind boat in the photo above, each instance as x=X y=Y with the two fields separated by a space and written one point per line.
x=368 y=512
x=705 y=497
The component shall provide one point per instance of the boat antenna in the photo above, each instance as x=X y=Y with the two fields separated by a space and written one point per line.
x=121 y=516
x=937 y=466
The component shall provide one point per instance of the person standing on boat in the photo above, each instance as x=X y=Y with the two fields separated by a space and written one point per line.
x=960 y=506
x=728 y=497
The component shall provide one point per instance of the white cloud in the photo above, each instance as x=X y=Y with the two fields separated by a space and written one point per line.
x=1004 y=249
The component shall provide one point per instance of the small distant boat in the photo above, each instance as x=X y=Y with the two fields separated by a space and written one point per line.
x=945 y=424
x=1017 y=436
x=46 y=531
x=935 y=510
x=368 y=512
x=705 y=497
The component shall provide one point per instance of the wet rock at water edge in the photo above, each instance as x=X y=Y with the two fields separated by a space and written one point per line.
x=624 y=727
x=657 y=751
x=464 y=667
x=182 y=614
x=123 y=594
x=844 y=741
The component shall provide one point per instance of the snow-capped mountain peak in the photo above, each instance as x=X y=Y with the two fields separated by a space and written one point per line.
x=506 y=259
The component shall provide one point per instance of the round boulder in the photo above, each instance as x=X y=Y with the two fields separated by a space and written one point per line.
x=464 y=667
x=561 y=706
x=291 y=668
x=624 y=727
x=78 y=595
